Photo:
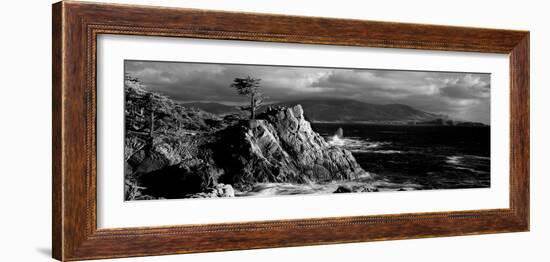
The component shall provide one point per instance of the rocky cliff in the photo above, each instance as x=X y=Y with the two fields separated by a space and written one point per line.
x=187 y=152
x=280 y=146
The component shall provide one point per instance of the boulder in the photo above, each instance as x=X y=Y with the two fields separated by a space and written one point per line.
x=344 y=189
x=220 y=190
x=355 y=189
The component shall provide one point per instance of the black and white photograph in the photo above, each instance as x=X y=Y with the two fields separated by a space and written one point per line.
x=210 y=130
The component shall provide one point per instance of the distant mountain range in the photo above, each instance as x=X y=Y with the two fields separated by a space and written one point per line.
x=346 y=110
x=338 y=110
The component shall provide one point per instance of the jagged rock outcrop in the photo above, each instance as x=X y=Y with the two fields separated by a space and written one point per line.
x=280 y=146
x=173 y=166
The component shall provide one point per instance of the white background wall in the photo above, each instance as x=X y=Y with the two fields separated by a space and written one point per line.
x=25 y=147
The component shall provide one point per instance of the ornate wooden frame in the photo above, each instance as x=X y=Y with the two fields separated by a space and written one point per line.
x=76 y=26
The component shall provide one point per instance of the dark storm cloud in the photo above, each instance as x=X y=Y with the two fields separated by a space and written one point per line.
x=464 y=96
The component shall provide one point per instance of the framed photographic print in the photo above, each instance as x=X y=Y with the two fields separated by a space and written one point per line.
x=182 y=130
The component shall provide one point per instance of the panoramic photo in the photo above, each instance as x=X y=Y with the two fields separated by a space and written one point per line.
x=206 y=130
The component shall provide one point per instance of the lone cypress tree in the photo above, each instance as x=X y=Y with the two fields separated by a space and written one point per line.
x=249 y=87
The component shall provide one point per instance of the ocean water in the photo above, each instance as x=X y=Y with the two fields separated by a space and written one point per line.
x=402 y=158
x=417 y=157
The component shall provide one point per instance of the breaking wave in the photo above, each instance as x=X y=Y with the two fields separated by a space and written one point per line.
x=357 y=145
x=454 y=160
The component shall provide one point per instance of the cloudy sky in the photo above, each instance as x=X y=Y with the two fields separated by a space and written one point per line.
x=462 y=96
